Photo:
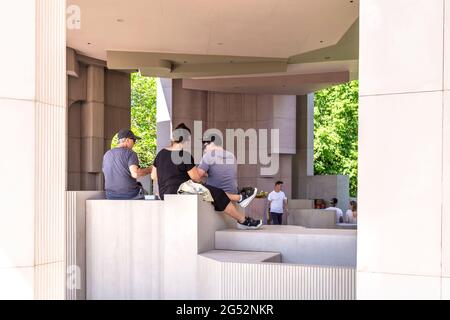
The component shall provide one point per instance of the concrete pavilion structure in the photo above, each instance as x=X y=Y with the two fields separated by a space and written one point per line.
x=65 y=91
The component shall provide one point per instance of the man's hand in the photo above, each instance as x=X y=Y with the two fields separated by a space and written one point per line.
x=202 y=172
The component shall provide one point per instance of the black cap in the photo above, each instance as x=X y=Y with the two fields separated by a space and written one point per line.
x=212 y=137
x=127 y=133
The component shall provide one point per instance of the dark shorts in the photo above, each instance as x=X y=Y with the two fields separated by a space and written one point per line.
x=219 y=196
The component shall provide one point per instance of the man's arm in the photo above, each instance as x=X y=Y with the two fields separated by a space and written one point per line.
x=154 y=174
x=137 y=172
x=195 y=175
x=203 y=167
x=202 y=172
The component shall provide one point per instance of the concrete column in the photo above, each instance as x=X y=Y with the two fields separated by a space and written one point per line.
x=284 y=119
x=33 y=174
x=303 y=160
x=163 y=113
x=92 y=129
x=404 y=150
x=117 y=104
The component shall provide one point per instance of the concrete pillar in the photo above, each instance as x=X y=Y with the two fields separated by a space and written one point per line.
x=117 y=104
x=33 y=174
x=303 y=160
x=163 y=113
x=404 y=150
x=92 y=129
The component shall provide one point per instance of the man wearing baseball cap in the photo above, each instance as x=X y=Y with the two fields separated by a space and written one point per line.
x=220 y=168
x=121 y=169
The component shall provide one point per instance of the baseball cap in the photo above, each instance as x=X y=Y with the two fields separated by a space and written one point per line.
x=127 y=133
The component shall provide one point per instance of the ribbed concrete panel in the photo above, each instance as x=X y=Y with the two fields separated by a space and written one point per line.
x=210 y=282
x=49 y=280
x=50 y=150
x=274 y=281
x=71 y=240
x=49 y=197
x=286 y=282
x=51 y=52
x=76 y=242
x=49 y=183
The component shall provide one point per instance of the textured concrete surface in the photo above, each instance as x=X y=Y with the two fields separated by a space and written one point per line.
x=312 y=218
x=242 y=256
x=299 y=245
x=99 y=105
x=325 y=187
x=123 y=249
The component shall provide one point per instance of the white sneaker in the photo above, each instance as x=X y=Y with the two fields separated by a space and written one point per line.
x=248 y=194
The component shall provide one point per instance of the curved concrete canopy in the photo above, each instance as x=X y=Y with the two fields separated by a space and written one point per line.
x=202 y=38
x=256 y=28
x=298 y=84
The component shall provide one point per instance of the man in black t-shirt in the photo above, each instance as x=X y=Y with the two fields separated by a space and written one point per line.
x=171 y=174
x=174 y=166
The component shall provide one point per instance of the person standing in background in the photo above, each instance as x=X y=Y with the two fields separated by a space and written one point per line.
x=352 y=214
x=277 y=203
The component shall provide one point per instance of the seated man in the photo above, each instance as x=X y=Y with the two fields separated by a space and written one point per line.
x=220 y=168
x=174 y=165
x=121 y=169
x=339 y=213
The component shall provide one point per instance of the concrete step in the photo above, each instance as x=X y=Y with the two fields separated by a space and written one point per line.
x=242 y=256
x=297 y=245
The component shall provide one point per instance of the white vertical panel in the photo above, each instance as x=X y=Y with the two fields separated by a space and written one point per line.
x=50 y=152
x=71 y=238
x=268 y=281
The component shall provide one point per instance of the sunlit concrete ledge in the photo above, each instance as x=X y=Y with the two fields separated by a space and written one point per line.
x=299 y=245
x=169 y=250
x=312 y=218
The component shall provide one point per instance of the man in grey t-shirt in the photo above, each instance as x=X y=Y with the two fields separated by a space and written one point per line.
x=121 y=169
x=220 y=168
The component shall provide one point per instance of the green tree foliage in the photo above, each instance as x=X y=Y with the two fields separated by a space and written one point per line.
x=336 y=132
x=143 y=117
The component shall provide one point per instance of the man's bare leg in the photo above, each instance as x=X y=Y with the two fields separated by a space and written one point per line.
x=234 y=197
x=232 y=212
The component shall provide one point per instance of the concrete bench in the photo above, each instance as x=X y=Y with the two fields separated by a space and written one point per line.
x=181 y=248
x=242 y=256
x=297 y=245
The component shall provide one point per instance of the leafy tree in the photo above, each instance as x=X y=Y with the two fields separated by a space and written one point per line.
x=143 y=117
x=336 y=132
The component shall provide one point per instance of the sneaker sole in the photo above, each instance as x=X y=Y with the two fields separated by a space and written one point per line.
x=242 y=227
x=247 y=201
